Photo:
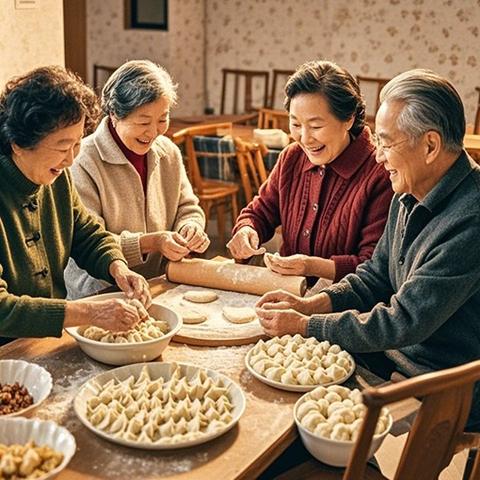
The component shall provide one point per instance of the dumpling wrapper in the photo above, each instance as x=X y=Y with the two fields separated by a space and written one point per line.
x=192 y=317
x=239 y=314
x=200 y=296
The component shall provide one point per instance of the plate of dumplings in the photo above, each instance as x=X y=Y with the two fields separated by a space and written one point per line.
x=299 y=364
x=160 y=406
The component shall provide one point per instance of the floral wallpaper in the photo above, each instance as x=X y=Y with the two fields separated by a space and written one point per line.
x=377 y=38
x=30 y=38
x=180 y=49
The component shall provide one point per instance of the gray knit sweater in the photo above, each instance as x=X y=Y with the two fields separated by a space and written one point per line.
x=418 y=298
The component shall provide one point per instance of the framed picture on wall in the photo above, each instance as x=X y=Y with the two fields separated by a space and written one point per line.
x=152 y=14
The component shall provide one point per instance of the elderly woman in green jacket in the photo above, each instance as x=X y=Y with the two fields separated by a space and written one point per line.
x=42 y=220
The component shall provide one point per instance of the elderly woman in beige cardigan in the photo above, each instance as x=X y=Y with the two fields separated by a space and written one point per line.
x=133 y=178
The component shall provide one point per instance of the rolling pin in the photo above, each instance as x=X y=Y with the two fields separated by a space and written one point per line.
x=233 y=277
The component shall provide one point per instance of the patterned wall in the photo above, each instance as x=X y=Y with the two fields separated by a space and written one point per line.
x=370 y=37
x=180 y=50
x=30 y=38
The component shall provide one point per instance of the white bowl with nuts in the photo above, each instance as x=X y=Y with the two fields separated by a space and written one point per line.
x=23 y=387
x=329 y=421
x=130 y=347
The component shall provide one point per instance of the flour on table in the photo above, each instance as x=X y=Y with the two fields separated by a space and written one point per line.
x=200 y=296
x=239 y=314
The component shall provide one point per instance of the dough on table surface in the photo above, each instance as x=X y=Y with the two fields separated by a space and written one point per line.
x=239 y=314
x=192 y=317
x=200 y=296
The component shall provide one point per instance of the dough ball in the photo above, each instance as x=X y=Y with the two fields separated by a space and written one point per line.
x=239 y=314
x=192 y=317
x=200 y=296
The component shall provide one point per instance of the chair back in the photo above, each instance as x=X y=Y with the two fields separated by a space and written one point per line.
x=476 y=126
x=437 y=432
x=247 y=76
x=251 y=166
x=268 y=118
x=100 y=76
x=186 y=136
x=371 y=88
x=278 y=75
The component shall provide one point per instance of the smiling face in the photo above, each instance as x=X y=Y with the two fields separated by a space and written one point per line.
x=45 y=162
x=407 y=164
x=322 y=136
x=140 y=128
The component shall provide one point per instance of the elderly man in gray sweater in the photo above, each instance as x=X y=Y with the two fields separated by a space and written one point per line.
x=415 y=306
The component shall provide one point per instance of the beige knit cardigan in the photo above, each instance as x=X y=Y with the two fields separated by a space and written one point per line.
x=112 y=189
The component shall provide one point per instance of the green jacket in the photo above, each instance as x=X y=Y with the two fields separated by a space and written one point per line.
x=40 y=228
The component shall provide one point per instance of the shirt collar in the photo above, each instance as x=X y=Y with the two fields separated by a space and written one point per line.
x=351 y=159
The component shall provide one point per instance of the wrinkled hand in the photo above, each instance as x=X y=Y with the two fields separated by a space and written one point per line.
x=196 y=238
x=292 y=265
x=244 y=244
x=282 y=322
x=282 y=300
x=172 y=245
x=131 y=283
x=115 y=315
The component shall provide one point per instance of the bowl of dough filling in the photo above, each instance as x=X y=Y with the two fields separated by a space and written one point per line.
x=145 y=342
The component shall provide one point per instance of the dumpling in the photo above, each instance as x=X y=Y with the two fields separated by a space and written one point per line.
x=340 y=431
x=344 y=392
x=311 y=420
x=318 y=393
x=274 y=373
x=336 y=372
x=306 y=407
x=331 y=397
x=305 y=378
x=323 y=429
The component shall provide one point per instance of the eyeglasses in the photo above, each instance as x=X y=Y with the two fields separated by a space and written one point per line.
x=385 y=148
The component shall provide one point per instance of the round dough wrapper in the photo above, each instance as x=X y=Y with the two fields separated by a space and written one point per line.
x=191 y=317
x=200 y=296
x=239 y=314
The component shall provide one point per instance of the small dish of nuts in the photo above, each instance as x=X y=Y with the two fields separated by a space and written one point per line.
x=23 y=386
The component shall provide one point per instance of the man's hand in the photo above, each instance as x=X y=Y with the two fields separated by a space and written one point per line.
x=244 y=244
x=282 y=322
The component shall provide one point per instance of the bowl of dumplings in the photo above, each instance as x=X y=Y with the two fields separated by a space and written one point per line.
x=329 y=421
x=33 y=448
x=145 y=342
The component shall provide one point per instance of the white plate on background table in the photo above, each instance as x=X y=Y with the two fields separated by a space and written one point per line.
x=33 y=377
x=157 y=370
x=294 y=388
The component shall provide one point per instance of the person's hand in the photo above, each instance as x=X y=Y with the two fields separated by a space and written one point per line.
x=115 y=315
x=131 y=283
x=196 y=238
x=172 y=245
x=292 y=265
x=282 y=322
x=282 y=300
x=244 y=244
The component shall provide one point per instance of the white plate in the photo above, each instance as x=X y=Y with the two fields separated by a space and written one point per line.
x=30 y=375
x=22 y=430
x=157 y=370
x=294 y=388
x=126 y=353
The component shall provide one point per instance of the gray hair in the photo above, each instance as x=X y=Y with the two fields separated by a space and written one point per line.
x=431 y=103
x=134 y=84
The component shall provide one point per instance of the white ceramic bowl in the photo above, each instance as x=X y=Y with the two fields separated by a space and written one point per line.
x=334 y=452
x=157 y=370
x=30 y=375
x=127 y=353
x=22 y=430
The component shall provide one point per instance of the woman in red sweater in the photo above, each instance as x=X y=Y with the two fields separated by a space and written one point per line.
x=326 y=190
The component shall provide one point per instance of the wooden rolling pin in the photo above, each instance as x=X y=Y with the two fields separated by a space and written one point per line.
x=232 y=276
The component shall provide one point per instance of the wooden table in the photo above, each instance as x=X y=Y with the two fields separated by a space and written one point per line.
x=265 y=430
x=472 y=145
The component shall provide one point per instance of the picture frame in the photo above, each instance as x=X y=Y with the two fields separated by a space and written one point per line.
x=146 y=14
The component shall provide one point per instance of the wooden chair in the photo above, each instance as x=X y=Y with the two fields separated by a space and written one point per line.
x=437 y=433
x=211 y=193
x=268 y=118
x=100 y=76
x=251 y=166
x=476 y=126
x=371 y=88
x=277 y=75
x=248 y=76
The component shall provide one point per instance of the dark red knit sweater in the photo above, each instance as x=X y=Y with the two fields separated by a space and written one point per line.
x=336 y=212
